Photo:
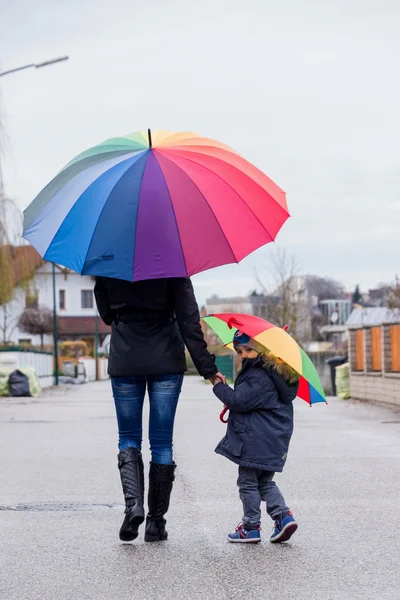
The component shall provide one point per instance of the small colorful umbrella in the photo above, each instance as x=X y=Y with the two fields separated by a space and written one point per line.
x=155 y=205
x=277 y=341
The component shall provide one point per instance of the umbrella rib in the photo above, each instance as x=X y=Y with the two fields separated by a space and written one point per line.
x=173 y=211
x=137 y=210
x=236 y=192
x=205 y=199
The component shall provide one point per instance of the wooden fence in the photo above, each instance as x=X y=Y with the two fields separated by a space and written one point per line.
x=395 y=347
x=360 y=350
x=376 y=349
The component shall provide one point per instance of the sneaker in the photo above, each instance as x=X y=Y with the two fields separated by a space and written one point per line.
x=243 y=535
x=284 y=528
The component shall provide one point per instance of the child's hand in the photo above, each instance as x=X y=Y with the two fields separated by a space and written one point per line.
x=218 y=378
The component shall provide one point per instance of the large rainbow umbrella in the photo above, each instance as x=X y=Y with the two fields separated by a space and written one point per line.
x=277 y=341
x=155 y=205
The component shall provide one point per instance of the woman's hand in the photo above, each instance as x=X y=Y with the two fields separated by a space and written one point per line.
x=218 y=378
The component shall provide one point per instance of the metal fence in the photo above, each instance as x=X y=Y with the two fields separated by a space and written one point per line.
x=42 y=362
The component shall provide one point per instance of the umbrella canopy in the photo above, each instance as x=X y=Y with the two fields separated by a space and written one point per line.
x=277 y=341
x=155 y=205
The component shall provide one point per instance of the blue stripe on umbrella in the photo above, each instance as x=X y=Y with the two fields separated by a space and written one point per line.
x=74 y=236
x=111 y=252
x=315 y=396
x=47 y=222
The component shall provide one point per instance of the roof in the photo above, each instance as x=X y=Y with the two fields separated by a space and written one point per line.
x=368 y=317
x=216 y=300
x=81 y=326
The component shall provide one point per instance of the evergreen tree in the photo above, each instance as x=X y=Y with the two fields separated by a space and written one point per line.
x=357 y=298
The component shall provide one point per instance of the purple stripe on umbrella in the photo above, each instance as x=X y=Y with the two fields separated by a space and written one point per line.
x=158 y=249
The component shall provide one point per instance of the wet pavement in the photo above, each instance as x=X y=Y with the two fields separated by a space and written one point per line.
x=60 y=506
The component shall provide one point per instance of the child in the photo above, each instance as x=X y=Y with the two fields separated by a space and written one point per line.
x=259 y=429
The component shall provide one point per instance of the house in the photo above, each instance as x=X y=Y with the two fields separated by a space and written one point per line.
x=77 y=315
x=336 y=313
x=379 y=296
x=237 y=304
x=375 y=355
x=314 y=308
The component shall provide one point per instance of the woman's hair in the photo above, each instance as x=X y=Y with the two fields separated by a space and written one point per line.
x=281 y=367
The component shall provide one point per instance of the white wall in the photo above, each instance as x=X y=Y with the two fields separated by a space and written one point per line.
x=43 y=282
x=72 y=284
x=10 y=315
x=235 y=307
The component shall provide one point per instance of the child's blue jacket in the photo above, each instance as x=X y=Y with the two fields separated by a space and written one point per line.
x=260 y=422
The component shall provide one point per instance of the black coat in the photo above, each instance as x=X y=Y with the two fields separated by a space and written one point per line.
x=150 y=323
x=260 y=422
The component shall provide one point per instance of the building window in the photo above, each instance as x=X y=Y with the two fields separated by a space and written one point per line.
x=87 y=298
x=32 y=299
x=61 y=295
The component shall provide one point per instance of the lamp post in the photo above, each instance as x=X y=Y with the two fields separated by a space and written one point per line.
x=96 y=345
x=46 y=63
x=55 y=329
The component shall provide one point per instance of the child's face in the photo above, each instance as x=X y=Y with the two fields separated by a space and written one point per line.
x=246 y=352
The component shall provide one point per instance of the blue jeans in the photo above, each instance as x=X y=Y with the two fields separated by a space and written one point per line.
x=256 y=485
x=129 y=393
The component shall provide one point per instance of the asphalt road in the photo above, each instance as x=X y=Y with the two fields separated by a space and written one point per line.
x=58 y=468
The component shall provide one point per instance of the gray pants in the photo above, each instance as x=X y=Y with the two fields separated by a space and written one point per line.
x=256 y=485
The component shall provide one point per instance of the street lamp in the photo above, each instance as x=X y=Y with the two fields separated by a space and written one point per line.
x=46 y=63
x=52 y=61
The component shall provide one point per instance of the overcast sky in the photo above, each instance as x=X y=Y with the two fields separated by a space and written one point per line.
x=307 y=90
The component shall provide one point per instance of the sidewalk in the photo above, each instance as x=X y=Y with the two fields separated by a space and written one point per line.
x=58 y=460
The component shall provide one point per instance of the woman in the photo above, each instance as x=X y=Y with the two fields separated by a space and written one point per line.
x=151 y=321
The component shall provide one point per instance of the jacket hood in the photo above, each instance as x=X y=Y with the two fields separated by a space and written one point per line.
x=287 y=392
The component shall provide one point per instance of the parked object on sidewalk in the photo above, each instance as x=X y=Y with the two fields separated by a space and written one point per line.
x=24 y=372
x=334 y=362
x=34 y=382
x=38 y=366
x=155 y=205
x=4 y=389
x=343 y=381
x=19 y=384
x=275 y=340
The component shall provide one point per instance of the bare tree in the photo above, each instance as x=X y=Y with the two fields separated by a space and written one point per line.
x=36 y=321
x=8 y=322
x=325 y=288
x=292 y=299
x=394 y=295
x=284 y=292
x=10 y=229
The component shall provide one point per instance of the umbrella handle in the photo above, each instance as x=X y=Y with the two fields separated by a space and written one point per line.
x=221 y=416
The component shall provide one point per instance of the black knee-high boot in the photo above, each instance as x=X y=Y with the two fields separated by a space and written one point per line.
x=161 y=478
x=130 y=464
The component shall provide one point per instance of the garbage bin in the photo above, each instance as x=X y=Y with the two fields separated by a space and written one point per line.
x=224 y=365
x=334 y=362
